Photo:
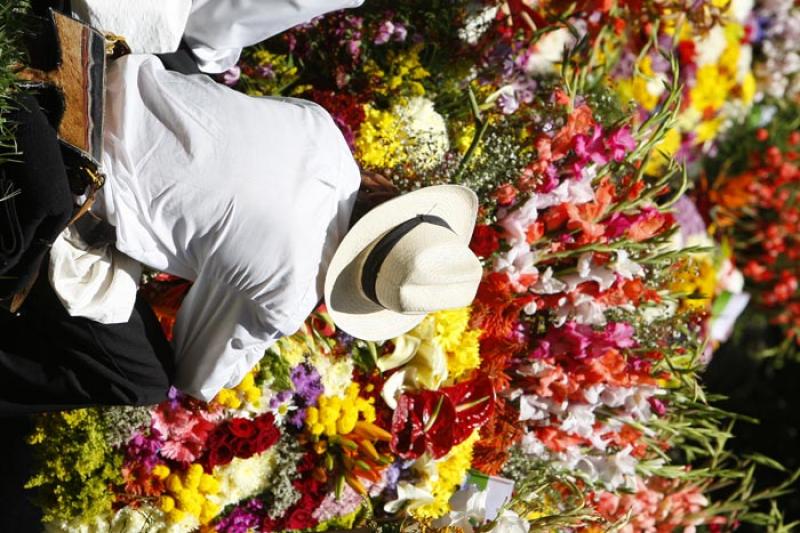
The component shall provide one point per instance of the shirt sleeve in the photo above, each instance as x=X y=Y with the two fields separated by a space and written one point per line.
x=217 y=30
x=220 y=334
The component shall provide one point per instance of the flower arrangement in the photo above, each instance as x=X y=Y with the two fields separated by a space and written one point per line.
x=749 y=195
x=573 y=374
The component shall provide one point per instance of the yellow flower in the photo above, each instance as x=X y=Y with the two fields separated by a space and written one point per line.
x=161 y=471
x=710 y=90
x=291 y=350
x=663 y=151
x=167 y=503
x=707 y=130
x=450 y=472
x=466 y=356
x=748 y=88
x=336 y=416
x=450 y=326
x=209 y=511
x=379 y=142
x=175 y=516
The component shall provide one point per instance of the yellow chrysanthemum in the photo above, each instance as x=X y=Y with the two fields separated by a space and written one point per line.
x=379 y=142
x=466 y=356
x=450 y=326
x=450 y=471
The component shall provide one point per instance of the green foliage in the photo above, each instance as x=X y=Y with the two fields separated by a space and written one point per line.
x=78 y=465
x=10 y=54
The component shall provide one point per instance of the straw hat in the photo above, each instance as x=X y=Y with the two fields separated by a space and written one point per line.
x=404 y=259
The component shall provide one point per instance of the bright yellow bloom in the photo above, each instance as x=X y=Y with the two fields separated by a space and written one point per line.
x=379 y=143
x=167 y=503
x=466 y=356
x=160 y=471
x=244 y=394
x=450 y=326
x=337 y=416
x=451 y=471
x=663 y=151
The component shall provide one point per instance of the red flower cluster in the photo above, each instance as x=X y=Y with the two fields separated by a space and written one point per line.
x=761 y=201
x=435 y=421
x=300 y=515
x=240 y=437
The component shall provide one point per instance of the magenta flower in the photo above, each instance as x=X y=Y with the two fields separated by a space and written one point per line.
x=620 y=143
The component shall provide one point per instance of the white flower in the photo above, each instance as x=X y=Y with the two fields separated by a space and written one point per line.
x=532 y=446
x=243 y=478
x=711 y=46
x=510 y=522
x=517 y=221
x=625 y=267
x=533 y=407
x=548 y=51
x=517 y=263
x=618 y=470
x=426 y=130
x=467 y=505
x=580 y=420
x=547 y=284
x=411 y=495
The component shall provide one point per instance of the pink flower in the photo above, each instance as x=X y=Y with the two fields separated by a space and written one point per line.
x=590 y=148
x=385 y=32
x=620 y=143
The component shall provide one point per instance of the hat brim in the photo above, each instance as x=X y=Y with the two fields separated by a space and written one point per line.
x=347 y=305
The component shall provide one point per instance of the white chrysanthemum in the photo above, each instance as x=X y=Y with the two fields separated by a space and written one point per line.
x=336 y=374
x=426 y=132
x=99 y=525
x=243 y=478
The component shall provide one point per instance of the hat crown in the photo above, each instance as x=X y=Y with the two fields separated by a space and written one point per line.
x=429 y=269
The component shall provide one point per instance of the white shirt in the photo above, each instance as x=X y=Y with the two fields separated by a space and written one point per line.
x=247 y=197
x=215 y=30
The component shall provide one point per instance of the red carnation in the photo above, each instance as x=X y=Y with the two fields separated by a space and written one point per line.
x=485 y=241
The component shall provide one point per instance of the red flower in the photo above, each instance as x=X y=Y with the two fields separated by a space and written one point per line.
x=220 y=454
x=301 y=519
x=242 y=428
x=435 y=421
x=505 y=194
x=485 y=241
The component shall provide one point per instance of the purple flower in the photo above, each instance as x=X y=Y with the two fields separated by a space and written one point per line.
x=508 y=103
x=143 y=449
x=242 y=519
x=307 y=384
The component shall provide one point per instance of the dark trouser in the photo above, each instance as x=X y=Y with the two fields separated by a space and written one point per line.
x=52 y=361
x=48 y=359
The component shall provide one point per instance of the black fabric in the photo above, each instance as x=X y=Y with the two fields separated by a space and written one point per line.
x=181 y=61
x=34 y=217
x=51 y=361
x=378 y=254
